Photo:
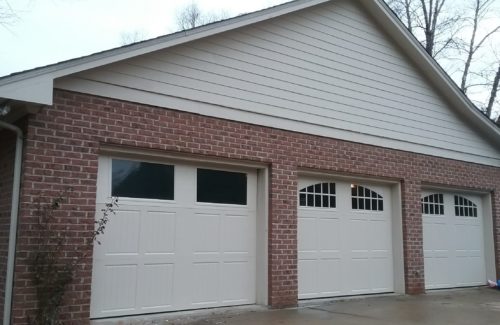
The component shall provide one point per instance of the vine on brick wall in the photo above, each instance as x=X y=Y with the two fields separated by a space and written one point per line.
x=55 y=261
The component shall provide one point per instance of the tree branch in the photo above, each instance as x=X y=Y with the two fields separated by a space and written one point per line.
x=493 y=94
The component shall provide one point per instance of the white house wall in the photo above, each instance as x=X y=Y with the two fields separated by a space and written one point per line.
x=327 y=70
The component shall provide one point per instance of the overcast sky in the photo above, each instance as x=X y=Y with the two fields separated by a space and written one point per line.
x=49 y=31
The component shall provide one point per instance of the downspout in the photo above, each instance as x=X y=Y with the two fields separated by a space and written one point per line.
x=16 y=184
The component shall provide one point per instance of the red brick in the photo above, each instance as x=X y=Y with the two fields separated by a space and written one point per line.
x=170 y=131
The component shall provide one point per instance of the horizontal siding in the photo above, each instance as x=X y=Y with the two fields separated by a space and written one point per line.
x=329 y=66
x=269 y=71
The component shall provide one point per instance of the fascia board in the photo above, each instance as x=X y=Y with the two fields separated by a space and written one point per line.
x=37 y=90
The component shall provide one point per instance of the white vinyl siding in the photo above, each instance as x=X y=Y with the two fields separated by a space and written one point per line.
x=328 y=70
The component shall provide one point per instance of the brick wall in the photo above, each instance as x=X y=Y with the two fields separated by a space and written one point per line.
x=7 y=152
x=62 y=149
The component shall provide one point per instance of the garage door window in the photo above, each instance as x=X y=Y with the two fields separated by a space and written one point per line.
x=143 y=180
x=365 y=199
x=321 y=195
x=433 y=204
x=465 y=207
x=217 y=186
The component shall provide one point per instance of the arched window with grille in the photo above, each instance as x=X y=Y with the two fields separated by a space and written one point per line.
x=465 y=207
x=364 y=198
x=321 y=195
x=433 y=204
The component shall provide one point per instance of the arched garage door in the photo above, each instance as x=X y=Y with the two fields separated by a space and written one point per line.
x=454 y=242
x=183 y=238
x=344 y=239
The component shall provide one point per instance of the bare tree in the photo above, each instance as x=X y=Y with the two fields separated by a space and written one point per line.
x=132 y=37
x=451 y=38
x=433 y=22
x=191 y=16
x=403 y=9
x=493 y=95
x=480 y=9
x=7 y=14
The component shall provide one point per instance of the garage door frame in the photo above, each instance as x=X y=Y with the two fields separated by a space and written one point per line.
x=396 y=216
x=261 y=248
x=488 y=229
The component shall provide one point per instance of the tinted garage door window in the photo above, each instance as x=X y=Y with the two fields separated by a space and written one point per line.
x=143 y=180
x=217 y=186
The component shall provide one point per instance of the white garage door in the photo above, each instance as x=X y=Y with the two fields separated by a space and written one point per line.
x=183 y=237
x=344 y=239
x=453 y=240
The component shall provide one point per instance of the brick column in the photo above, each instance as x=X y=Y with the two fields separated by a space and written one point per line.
x=282 y=270
x=413 y=237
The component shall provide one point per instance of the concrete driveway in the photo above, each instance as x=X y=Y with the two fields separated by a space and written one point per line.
x=462 y=306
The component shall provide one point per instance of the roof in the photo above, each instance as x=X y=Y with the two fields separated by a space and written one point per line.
x=36 y=85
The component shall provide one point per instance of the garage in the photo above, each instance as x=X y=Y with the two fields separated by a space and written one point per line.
x=345 y=238
x=183 y=237
x=454 y=240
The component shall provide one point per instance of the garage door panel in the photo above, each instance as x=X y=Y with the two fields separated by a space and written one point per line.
x=205 y=230
x=159 y=229
x=307 y=278
x=330 y=271
x=358 y=235
x=438 y=272
x=307 y=239
x=234 y=290
x=468 y=237
x=329 y=234
x=156 y=286
x=119 y=297
x=233 y=228
x=380 y=275
x=124 y=231
x=470 y=271
x=435 y=239
x=205 y=283
x=359 y=279
x=377 y=236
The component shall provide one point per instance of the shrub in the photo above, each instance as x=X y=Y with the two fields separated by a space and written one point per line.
x=55 y=261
